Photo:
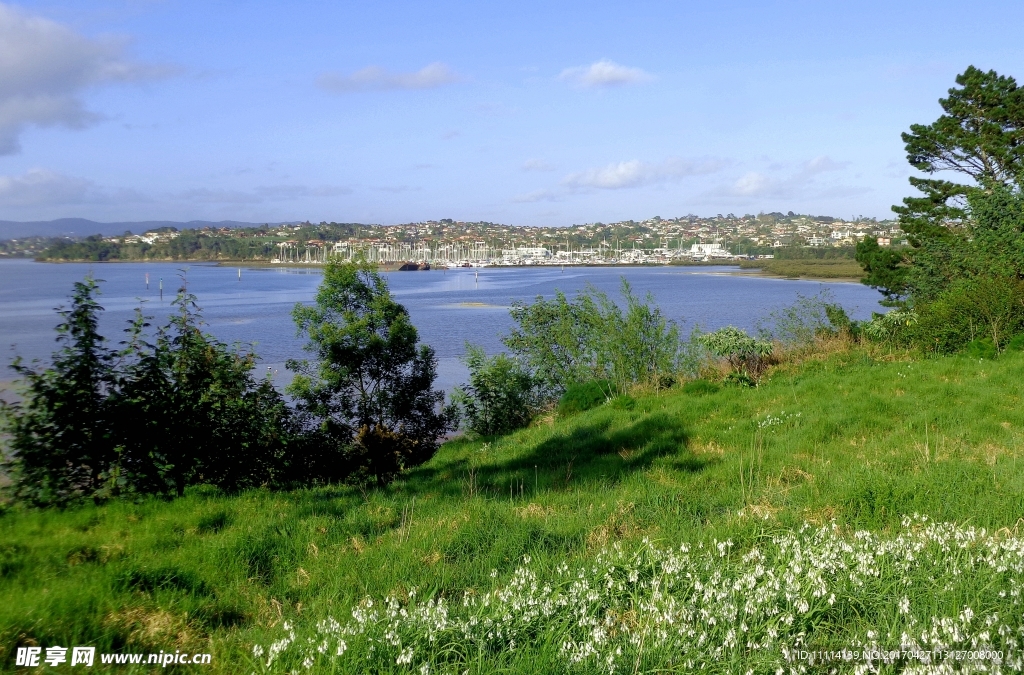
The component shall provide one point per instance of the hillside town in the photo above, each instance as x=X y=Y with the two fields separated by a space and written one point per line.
x=451 y=242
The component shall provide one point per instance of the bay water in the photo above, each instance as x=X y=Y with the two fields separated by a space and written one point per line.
x=449 y=308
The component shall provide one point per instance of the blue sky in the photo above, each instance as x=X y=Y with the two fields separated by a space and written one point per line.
x=530 y=113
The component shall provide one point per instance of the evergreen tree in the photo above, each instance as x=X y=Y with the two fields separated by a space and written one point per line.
x=367 y=395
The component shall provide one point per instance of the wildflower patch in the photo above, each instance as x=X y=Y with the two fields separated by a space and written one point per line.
x=931 y=596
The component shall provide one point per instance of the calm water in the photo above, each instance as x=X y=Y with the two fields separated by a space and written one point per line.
x=449 y=308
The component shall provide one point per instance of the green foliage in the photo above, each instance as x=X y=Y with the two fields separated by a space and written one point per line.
x=584 y=396
x=1016 y=344
x=982 y=348
x=557 y=339
x=191 y=411
x=980 y=135
x=894 y=327
x=61 y=435
x=970 y=308
x=366 y=399
x=701 y=387
x=567 y=342
x=501 y=395
x=153 y=418
x=804 y=320
x=748 y=356
x=884 y=268
x=91 y=248
x=964 y=274
x=638 y=344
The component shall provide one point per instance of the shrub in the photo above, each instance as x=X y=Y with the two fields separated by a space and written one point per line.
x=501 y=395
x=190 y=411
x=800 y=322
x=584 y=396
x=746 y=355
x=894 y=327
x=1016 y=344
x=700 y=387
x=969 y=309
x=567 y=342
x=982 y=348
x=60 y=435
x=153 y=418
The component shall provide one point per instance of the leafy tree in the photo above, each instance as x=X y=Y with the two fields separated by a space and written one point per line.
x=964 y=276
x=60 y=437
x=636 y=345
x=980 y=136
x=367 y=396
x=884 y=269
x=556 y=339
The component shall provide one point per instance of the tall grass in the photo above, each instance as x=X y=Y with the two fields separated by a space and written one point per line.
x=845 y=437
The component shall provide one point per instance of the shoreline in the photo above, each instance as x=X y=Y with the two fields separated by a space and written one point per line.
x=261 y=264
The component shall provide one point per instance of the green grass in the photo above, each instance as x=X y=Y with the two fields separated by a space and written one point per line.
x=845 y=438
x=839 y=268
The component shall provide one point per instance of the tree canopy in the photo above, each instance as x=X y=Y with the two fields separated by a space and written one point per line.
x=368 y=393
x=980 y=135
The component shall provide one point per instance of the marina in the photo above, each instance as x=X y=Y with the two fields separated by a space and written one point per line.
x=480 y=254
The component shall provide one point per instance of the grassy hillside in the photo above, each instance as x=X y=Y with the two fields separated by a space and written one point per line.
x=848 y=438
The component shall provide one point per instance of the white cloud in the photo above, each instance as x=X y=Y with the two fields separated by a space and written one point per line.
x=42 y=187
x=622 y=175
x=604 y=73
x=824 y=163
x=757 y=184
x=804 y=181
x=537 y=165
x=377 y=78
x=45 y=67
x=753 y=183
x=39 y=187
x=635 y=173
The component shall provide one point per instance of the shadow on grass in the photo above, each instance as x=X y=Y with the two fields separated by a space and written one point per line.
x=589 y=453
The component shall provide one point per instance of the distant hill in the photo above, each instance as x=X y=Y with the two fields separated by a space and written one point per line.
x=81 y=227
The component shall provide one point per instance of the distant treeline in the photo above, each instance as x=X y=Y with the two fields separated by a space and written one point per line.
x=188 y=245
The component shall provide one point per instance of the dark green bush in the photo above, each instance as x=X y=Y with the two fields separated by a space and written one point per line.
x=623 y=402
x=1016 y=344
x=154 y=417
x=501 y=395
x=580 y=397
x=982 y=348
x=700 y=387
x=970 y=309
